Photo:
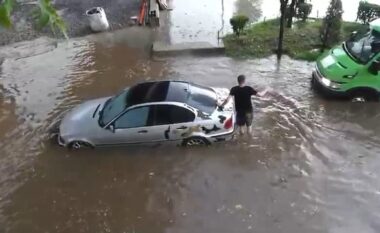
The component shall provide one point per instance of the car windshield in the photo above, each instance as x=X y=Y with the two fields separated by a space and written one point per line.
x=202 y=98
x=113 y=107
x=361 y=47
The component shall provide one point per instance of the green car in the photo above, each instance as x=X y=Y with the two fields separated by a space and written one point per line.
x=351 y=70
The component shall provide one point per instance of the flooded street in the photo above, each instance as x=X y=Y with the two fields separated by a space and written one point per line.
x=310 y=166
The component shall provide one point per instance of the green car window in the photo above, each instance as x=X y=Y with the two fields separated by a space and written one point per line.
x=362 y=48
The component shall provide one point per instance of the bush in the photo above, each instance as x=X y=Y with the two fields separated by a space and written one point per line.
x=238 y=23
x=303 y=10
x=332 y=23
x=368 y=12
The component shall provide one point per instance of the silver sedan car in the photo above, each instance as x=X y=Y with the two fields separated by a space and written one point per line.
x=151 y=112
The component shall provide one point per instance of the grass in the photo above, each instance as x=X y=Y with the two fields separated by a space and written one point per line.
x=300 y=42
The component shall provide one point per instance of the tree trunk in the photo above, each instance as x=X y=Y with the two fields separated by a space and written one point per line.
x=325 y=37
x=292 y=13
x=284 y=3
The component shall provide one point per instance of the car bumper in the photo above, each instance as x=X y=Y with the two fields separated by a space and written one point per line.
x=61 y=141
x=223 y=137
x=325 y=91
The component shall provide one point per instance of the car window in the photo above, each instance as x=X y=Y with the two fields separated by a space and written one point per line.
x=202 y=98
x=363 y=49
x=180 y=115
x=171 y=114
x=113 y=107
x=161 y=115
x=134 y=118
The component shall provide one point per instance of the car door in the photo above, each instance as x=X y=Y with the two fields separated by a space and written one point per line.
x=132 y=127
x=170 y=122
x=161 y=123
x=182 y=122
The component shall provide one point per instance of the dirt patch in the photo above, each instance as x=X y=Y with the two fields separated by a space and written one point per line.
x=73 y=11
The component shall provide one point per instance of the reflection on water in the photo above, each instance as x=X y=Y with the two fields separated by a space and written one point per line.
x=311 y=165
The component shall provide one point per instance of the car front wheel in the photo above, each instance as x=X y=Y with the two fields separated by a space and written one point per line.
x=76 y=145
x=364 y=96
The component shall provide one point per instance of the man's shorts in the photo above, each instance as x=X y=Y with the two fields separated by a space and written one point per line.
x=244 y=119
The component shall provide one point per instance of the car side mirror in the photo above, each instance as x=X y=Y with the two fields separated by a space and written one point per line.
x=374 y=68
x=353 y=35
x=111 y=128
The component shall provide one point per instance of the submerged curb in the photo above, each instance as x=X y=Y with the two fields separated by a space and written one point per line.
x=190 y=48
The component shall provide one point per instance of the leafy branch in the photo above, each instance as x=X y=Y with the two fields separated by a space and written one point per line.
x=5 y=13
x=45 y=15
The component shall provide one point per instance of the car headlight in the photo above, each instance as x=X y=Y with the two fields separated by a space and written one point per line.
x=325 y=81
x=330 y=84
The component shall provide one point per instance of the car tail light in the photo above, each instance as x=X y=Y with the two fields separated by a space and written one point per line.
x=228 y=124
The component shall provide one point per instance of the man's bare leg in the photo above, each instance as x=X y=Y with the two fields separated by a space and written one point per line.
x=249 y=130
x=241 y=130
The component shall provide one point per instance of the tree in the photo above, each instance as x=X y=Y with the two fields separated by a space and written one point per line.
x=238 y=23
x=283 y=6
x=45 y=15
x=368 y=12
x=250 y=8
x=300 y=9
x=291 y=11
x=331 y=27
x=303 y=10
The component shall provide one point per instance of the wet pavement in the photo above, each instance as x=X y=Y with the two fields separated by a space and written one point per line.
x=311 y=165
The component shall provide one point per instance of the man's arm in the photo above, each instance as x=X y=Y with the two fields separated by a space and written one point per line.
x=261 y=93
x=226 y=101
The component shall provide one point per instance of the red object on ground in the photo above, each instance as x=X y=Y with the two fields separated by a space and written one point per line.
x=142 y=11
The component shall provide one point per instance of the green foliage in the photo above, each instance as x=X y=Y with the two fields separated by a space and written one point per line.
x=368 y=11
x=300 y=42
x=332 y=23
x=311 y=55
x=46 y=14
x=238 y=23
x=350 y=27
x=303 y=10
x=5 y=13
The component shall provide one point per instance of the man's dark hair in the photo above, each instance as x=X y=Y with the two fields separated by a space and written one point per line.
x=241 y=79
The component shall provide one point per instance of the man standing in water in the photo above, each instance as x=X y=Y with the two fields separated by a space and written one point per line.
x=243 y=105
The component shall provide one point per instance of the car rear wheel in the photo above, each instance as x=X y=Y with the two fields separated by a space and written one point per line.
x=76 y=145
x=195 y=141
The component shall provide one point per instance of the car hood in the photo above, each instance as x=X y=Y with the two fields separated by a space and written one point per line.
x=337 y=65
x=83 y=119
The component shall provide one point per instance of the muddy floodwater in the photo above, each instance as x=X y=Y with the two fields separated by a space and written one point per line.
x=311 y=166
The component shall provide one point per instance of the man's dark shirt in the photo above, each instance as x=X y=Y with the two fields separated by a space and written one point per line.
x=242 y=97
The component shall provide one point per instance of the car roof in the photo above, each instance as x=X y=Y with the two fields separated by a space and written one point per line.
x=158 y=91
